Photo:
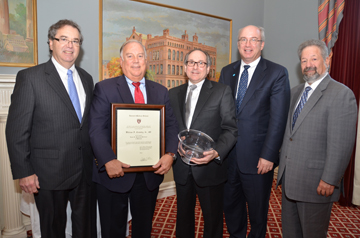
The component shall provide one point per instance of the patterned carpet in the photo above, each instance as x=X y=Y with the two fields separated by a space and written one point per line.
x=344 y=223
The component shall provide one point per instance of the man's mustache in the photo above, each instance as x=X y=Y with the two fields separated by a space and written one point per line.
x=310 y=68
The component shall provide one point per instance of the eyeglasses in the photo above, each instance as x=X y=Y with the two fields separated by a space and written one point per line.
x=64 y=41
x=253 y=41
x=200 y=64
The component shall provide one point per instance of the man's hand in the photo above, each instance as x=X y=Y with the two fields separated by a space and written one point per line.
x=209 y=156
x=325 y=189
x=264 y=166
x=164 y=164
x=30 y=184
x=114 y=168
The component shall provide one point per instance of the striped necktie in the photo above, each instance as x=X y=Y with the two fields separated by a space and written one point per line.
x=301 y=104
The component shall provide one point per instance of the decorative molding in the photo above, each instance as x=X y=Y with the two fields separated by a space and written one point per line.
x=7 y=83
x=7 y=78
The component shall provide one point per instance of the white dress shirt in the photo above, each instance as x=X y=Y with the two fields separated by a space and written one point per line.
x=251 y=71
x=78 y=84
x=194 y=99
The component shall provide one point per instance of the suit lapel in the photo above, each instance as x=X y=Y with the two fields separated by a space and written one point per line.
x=124 y=91
x=181 y=98
x=88 y=92
x=55 y=82
x=315 y=97
x=255 y=82
x=203 y=97
x=293 y=104
x=150 y=93
x=235 y=78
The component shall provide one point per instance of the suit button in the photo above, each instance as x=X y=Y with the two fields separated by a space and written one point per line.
x=79 y=147
x=291 y=139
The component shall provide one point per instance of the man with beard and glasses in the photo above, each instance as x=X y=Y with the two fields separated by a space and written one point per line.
x=317 y=145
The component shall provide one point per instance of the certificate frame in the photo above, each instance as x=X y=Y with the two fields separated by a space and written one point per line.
x=118 y=109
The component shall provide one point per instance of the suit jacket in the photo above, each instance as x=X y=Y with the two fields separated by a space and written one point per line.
x=262 y=116
x=214 y=115
x=116 y=90
x=321 y=143
x=43 y=133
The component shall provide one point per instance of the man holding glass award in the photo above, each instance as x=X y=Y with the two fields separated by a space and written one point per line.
x=114 y=187
x=205 y=106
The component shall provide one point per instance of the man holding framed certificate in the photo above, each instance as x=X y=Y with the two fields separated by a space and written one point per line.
x=114 y=187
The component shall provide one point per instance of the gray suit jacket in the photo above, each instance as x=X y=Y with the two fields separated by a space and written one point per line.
x=320 y=145
x=214 y=115
x=43 y=133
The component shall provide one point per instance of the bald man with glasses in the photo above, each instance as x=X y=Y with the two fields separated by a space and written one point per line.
x=262 y=94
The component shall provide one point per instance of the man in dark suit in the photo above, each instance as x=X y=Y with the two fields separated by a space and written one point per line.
x=47 y=134
x=262 y=94
x=114 y=187
x=211 y=111
x=318 y=142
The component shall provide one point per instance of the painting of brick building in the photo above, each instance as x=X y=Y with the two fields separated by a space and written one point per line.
x=168 y=35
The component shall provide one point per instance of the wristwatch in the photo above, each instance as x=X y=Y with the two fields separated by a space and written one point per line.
x=172 y=155
x=217 y=159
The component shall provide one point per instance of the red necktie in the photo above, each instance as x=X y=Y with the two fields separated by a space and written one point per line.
x=139 y=97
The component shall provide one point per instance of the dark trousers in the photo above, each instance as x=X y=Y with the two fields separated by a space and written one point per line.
x=113 y=209
x=52 y=204
x=211 y=202
x=304 y=219
x=253 y=190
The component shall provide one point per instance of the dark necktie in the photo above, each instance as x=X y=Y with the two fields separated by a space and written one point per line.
x=188 y=104
x=139 y=97
x=73 y=94
x=301 y=104
x=242 y=87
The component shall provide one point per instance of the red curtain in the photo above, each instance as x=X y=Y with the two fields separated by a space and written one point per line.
x=345 y=68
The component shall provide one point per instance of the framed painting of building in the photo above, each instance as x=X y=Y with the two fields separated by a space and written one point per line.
x=18 y=33
x=167 y=32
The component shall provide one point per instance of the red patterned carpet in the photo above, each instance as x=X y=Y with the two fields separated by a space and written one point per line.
x=344 y=223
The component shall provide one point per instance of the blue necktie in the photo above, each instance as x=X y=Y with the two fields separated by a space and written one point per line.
x=73 y=94
x=301 y=104
x=242 y=87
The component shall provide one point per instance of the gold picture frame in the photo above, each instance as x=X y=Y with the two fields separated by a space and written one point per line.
x=18 y=33
x=121 y=20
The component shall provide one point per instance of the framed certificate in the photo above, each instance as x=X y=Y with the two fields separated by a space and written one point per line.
x=138 y=135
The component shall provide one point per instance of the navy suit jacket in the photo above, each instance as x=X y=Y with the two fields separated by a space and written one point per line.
x=261 y=119
x=116 y=90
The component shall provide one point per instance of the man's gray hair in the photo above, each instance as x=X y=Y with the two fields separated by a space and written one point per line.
x=261 y=29
x=208 y=59
x=322 y=46
x=131 y=41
